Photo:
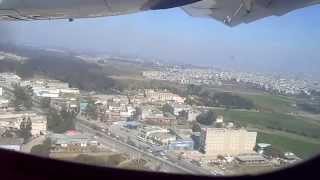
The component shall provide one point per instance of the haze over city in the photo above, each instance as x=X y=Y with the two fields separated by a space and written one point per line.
x=283 y=44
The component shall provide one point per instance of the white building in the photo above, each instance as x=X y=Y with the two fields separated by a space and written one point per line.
x=45 y=88
x=163 y=96
x=1 y=91
x=162 y=138
x=177 y=108
x=223 y=141
x=145 y=132
x=4 y=103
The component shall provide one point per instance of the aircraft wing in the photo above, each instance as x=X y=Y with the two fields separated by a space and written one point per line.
x=235 y=12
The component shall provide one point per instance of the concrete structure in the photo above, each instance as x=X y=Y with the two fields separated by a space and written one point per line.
x=11 y=143
x=64 y=103
x=162 y=96
x=192 y=115
x=219 y=119
x=9 y=79
x=4 y=103
x=73 y=141
x=14 y=119
x=164 y=121
x=162 y=139
x=181 y=145
x=47 y=88
x=177 y=108
x=46 y=83
x=251 y=159
x=1 y=91
x=261 y=147
x=223 y=141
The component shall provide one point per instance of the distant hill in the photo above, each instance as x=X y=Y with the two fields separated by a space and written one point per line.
x=61 y=66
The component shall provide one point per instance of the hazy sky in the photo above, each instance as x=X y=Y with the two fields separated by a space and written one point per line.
x=290 y=42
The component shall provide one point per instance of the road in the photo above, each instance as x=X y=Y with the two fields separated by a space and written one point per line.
x=28 y=146
x=133 y=151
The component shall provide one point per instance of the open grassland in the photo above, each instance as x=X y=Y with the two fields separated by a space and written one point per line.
x=302 y=148
x=282 y=122
x=272 y=103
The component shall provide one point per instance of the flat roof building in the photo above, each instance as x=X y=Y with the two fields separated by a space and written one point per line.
x=223 y=141
x=251 y=159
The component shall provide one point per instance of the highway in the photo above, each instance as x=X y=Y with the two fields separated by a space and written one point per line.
x=114 y=144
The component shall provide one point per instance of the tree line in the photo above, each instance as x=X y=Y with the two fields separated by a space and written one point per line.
x=218 y=99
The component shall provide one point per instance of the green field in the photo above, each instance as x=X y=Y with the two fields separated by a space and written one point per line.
x=302 y=148
x=286 y=132
x=282 y=122
x=270 y=103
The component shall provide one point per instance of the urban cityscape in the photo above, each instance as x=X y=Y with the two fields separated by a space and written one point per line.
x=181 y=120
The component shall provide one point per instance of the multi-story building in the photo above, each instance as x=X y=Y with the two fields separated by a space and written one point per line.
x=64 y=103
x=14 y=119
x=224 y=141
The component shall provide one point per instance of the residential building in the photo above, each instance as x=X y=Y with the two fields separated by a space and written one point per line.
x=162 y=96
x=63 y=103
x=177 y=108
x=146 y=131
x=74 y=142
x=166 y=120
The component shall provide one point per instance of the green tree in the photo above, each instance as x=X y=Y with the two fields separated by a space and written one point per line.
x=45 y=103
x=196 y=127
x=137 y=114
x=183 y=115
x=42 y=149
x=60 y=122
x=25 y=128
x=22 y=98
x=91 y=110
x=207 y=118
x=167 y=109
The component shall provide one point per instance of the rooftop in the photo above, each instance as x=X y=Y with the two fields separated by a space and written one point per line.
x=251 y=157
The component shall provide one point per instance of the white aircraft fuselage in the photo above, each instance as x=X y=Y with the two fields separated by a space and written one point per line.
x=70 y=9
